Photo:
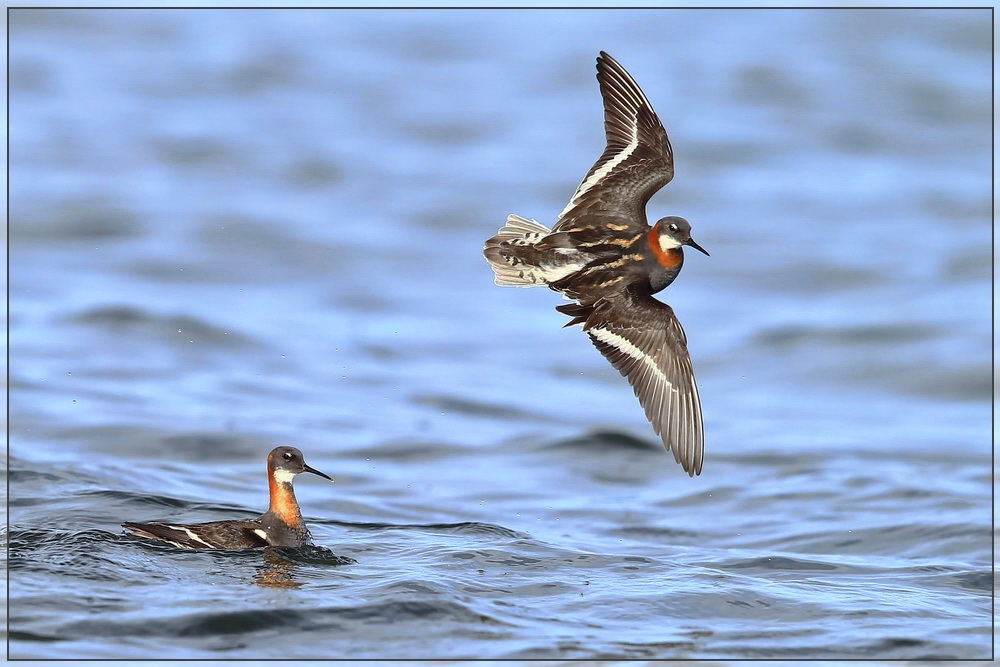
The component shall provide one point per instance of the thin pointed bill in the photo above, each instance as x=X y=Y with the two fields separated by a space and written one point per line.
x=694 y=245
x=308 y=468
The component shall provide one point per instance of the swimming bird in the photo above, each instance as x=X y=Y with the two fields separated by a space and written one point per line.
x=280 y=526
x=603 y=254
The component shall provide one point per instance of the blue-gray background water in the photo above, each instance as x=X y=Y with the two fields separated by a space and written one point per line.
x=236 y=229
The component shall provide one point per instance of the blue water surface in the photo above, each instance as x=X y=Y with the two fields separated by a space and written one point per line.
x=232 y=229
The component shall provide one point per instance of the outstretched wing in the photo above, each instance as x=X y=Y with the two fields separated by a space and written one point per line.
x=643 y=339
x=637 y=162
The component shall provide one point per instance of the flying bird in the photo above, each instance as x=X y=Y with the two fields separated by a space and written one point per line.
x=603 y=255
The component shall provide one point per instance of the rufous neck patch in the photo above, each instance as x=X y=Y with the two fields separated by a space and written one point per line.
x=283 y=503
x=668 y=259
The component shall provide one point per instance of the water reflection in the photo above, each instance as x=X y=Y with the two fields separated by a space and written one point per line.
x=276 y=572
x=280 y=563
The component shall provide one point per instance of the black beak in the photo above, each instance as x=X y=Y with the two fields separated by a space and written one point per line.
x=308 y=468
x=694 y=245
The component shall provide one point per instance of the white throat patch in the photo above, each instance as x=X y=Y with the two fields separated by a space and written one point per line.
x=669 y=243
x=284 y=476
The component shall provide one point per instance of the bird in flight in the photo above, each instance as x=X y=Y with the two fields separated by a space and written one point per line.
x=603 y=255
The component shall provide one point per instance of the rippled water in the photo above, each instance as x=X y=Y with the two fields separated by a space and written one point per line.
x=234 y=229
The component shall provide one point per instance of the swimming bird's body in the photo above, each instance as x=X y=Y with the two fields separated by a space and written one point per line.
x=603 y=254
x=280 y=526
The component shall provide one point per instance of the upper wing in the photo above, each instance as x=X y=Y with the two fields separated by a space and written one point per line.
x=642 y=338
x=211 y=535
x=637 y=162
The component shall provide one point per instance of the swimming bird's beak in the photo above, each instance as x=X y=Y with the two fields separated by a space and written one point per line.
x=694 y=245
x=308 y=468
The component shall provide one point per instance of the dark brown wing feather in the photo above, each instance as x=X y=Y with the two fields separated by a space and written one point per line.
x=637 y=162
x=643 y=339
x=211 y=535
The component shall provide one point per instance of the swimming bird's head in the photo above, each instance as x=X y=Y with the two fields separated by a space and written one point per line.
x=284 y=463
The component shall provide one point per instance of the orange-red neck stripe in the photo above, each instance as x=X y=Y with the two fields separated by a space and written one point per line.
x=283 y=503
x=668 y=259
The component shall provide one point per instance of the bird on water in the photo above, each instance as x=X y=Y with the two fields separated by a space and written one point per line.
x=280 y=526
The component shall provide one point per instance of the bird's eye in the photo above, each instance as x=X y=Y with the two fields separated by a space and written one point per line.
x=672 y=227
x=287 y=456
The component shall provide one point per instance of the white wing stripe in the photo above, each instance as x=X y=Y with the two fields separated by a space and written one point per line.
x=628 y=347
x=191 y=534
x=605 y=169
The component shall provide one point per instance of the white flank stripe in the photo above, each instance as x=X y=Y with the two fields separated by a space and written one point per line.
x=261 y=533
x=550 y=274
x=598 y=175
x=284 y=476
x=191 y=534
